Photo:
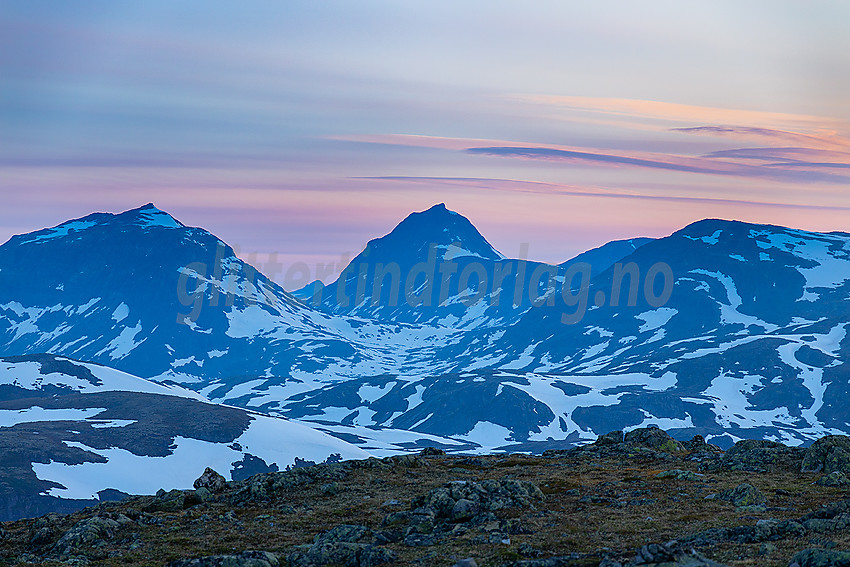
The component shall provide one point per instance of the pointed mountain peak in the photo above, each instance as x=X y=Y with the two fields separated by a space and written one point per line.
x=149 y=215
x=145 y=216
x=440 y=226
x=438 y=209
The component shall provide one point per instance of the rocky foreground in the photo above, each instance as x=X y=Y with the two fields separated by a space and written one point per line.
x=639 y=499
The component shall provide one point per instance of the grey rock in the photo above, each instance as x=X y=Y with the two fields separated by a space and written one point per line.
x=653 y=438
x=821 y=558
x=743 y=495
x=761 y=456
x=468 y=562
x=85 y=534
x=171 y=501
x=387 y=536
x=244 y=559
x=431 y=452
x=612 y=438
x=828 y=454
x=343 y=533
x=204 y=494
x=835 y=478
x=42 y=536
x=464 y=510
x=342 y=545
x=211 y=481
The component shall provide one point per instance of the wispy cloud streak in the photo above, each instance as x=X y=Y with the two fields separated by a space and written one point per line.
x=670 y=163
x=825 y=140
x=673 y=112
x=515 y=185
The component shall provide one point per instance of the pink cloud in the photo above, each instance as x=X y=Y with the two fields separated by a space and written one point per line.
x=823 y=140
x=673 y=112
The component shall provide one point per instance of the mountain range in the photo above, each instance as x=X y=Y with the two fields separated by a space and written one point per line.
x=431 y=336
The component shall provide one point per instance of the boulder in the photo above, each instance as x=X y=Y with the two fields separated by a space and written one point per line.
x=820 y=558
x=761 y=456
x=828 y=454
x=612 y=438
x=743 y=495
x=341 y=553
x=653 y=438
x=85 y=534
x=244 y=559
x=464 y=510
x=835 y=478
x=211 y=480
x=431 y=452
x=171 y=501
x=343 y=533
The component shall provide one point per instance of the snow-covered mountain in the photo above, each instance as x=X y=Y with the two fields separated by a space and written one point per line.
x=605 y=256
x=73 y=433
x=750 y=343
x=740 y=333
x=435 y=268
x=141 y=292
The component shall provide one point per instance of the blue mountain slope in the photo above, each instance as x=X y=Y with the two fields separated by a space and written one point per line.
x=605 y=256
x=751 y=342
x=143 y=293
x=435 y=268
x=742 y=332
x=74 y=433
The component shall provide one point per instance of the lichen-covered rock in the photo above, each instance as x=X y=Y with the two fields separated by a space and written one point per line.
x=835 y=478
x=211 y=480
x=743 y=495
x=42 y=536
x=828 y=454
x=697 y=443
x=345 y=532
x=489 y=495
x=764 y=530
x=820 y=558
x=761 y=456
x=171 y=501
x=672 y=554
x=86 y=534
x=344 y=554
x=431 y=452
x=409 y=461
x=203 y=494
x=272 y=486
x=653 y=438
x=421 y=521
x=454 y=507
x=464 y=510
x=611 y=438
x=244 y=559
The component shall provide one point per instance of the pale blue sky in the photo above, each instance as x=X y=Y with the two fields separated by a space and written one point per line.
x=306 y=128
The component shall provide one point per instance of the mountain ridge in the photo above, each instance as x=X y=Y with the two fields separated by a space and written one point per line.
x=749 y=342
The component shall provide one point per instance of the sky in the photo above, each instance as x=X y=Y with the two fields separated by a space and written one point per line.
x=298 y=131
